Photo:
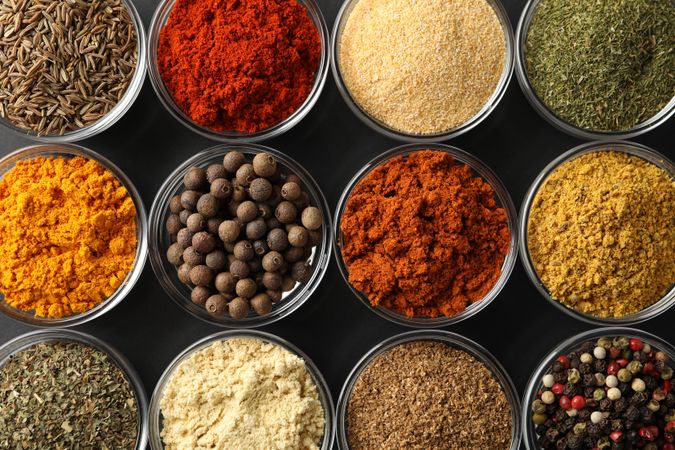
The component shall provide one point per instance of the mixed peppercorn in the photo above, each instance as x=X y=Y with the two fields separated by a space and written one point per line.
x=613 y=393
x=242 y=234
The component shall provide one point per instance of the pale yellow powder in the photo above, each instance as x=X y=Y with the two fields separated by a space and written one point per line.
x=241 y=393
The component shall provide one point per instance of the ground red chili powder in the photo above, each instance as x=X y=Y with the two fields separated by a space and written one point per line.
x=239 y=65
x=424 y=236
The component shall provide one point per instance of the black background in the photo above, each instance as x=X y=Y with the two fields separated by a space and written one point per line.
x=333 y=328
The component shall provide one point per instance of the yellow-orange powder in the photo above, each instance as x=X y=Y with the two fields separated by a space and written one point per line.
x=67 y=235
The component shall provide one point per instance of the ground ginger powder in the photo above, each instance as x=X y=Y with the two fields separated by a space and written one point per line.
x=241 y=393
x=67 y=235
x=601 y=233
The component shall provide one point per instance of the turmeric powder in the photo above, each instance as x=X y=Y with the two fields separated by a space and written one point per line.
x=67 y=235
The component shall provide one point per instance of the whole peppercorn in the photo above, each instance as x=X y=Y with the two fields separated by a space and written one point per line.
x=239 y=308
x=239 y=269
x=207 y=205
x=613 y=394
x=245 y=174
x=272 y=280
x=196 y=222
x=173 y=224
x=272 y=261
x=302 y=202
x=573 y=376
x=189 y=200
x=212 y=225
x=264 y=165
x=215 y=172
x=261 y=304
x=298 y=236
x=216 y=260
x=225 y=283
x=290 y=191
x=216 y=305
x=311 y=218
x=243 y=250
x=221 y=189
x=274 y=294
x=233 y=161
x=260 y=247
x=624 y=375
x=183 y=216
x=203 y=242
x=199 y=295
x=175 y=205
x=184 y=273
x=195 y=179
x=548 y=397
x=201 y=275
x=301 y=272
x=256 y=229
x=260 y=189
x=229 y=230
x=193 y=257
x=638 y=385
x=247 y=211
x=174 y=254
x=286 y=212
x=277 y=240
x=184 y=237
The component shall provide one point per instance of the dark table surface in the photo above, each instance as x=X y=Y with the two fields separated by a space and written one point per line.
x=333 y=328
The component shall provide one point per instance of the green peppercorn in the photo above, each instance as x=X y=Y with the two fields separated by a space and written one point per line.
x=539 y=419
x=215 y=172
x=233 y=161
x=620 y=342
x=199 y=295
x=260 y=189
x=245 y=174
x=286 y=212
x=243 y=250
x=208 y=205
x=603 y=443
x=193 y=257
x=634 y=367
x=264 y=165
x=600 y=379
x=624 y=375
x=538 y=406
x=196 y=222
x=174 y=254
x=221 y=189
x=653 y=405
x=229 y=230
x=605 y=343
x=256 y=229
x=173 y=224
x=225 y=283
x=598 y=394
x=573 y=376
x=579 y=428
x=195 y=179
x=239 y=308
x=290 y=191
x=175 y=205
x=261 y=304
x=667 y=373
x=201 y=275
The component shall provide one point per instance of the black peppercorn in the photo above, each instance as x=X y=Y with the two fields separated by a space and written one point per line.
x=256 y=229
x=225 y=283
x=173 y=224
x=260 y=189
x=216 y=305
x=221 y=189
x=189 y=200
x=195 y=179
x=199 y=295
x=233 y=161
x=215 y=172
x=264 y=165
x=201 y=275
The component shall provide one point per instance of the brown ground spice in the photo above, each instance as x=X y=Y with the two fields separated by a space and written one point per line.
x=424 y=236
x=601 y=233
x=444 y=399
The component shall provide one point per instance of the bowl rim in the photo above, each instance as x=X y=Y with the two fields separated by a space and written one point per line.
x=157 y=231
x=565 y=346
x=553 y=119
x=120 y=108
x=68 y=150
x=625 y=147
x=319 y=381
x=402 y=136
x=480 y=170
x=159 y=19
x=453 y=340
x=27 y=340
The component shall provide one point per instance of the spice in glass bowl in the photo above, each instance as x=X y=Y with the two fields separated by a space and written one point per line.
x=65 y=64
x=600 y=233
x=602 y=65
x=66 y=395
x=67 y=235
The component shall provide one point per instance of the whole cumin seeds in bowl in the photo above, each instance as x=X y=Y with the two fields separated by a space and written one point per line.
x=71 y=68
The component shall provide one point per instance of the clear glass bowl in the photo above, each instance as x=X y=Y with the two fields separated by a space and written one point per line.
x=381 y=127
x=117 y=111
x=452 y=340
x=567 y=346
x=503 y=200
x=160 y=18
x=68 y=151
x=155 y=421
x=550 y=116
x=630 y=148
x=160 y=239
x=61 y=335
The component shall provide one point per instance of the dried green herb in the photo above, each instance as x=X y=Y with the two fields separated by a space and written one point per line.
x=66 y=395
x=604 y=65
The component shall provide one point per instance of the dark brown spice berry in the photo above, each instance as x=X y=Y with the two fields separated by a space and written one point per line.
x=277 y=240
x=311 y=218
x=287 y=284
x=243 y=250
x=225 y=283
x=264 y=165
x=246 y=288
x=216 y=305
x=271 y=280
x=239 y=269
x=293 y=178
x=238 y=192
x=216 y=260
x=272 y=261
x=184 y=273
x=189 y=200
x=260 y=189
x=260 y=247
x=265 y=211
x=239 y=308
x=272 y=223
x=203 y=242
x=212 y=225
x=274 y=295
x=286 y=212
x=247 y=211
x=245 y=174
x=256 y=265
x=195 y=179
x=221 y=189
x=302 y=202
x=233 y=161
x=256 y=229
x=276 y=197
x=184 y=237
x=173 y=224
x=298 y=236
x=294 y=254
x=183 y=216
x=201 y=275
x=207 y=205
x=193 y=257
x=174 y=254
x=290 y=191
x=196 y=222
x=229 y=230
x=301 y=272
x=214 y=172
x=175 y=205
x=261 y=304
x=199 y=295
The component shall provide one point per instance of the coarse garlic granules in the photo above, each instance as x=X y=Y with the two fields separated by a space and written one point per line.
x=244 y=394
x=422 y=67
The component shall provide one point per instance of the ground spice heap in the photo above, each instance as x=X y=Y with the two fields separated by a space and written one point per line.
x=241 y=393
x=66 y=395
x=239 y=66
x=601 y=233
x=67 y=235
x=423 y=236
x=613 y=393
x=64 y=64
x=422 y=67
x=444 y=399
x=605 y=65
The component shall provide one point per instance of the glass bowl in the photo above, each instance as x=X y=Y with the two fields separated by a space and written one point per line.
x=68 y=151
x=62 y=335
x=550 y=116
x=452 y=340
x=567 y=346
x=155 y=420
x=381 y=127
x=630 y=148
x=160 y=18
x=117 y=111
x=160 y=239
x=503 y=200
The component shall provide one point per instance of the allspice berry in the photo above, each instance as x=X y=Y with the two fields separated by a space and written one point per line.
x=199 y=295
x=243 y=251
x=275 y=295
x=265 y=211
x=247 y=211
x=272 y=280
x=173 y=224
x=264 y=165
x=228 y=231
x=260 y=190
x=214 y=172
x=294 y=254
x=184 y=237
x=196 y=222
x=239 y=308
x=286 y=212
x=256 y=229
x=216 y=260
x=184 y=273
x=260 y=247
x=238 y=192
x=216 y=305
x=174 y=205
x=239 y=269
x=233 y=161
x=245 y=174
x=195 y=179
x=201 y=275
x=221 y=189
x=207 y=205
x=272 y=261
x=293 y=178
x=203 y=242
x=298 y=236
x=225 y=283
x=277 y=240
x=174 y=254
x=212 y=225
x=302 y=202
x=287 y=284
x=301 y=272
x=311 y=218
x=193 y=257
x=246 y=288
x=189 y=200
x=261 y=304
x=183 y=216
x=290 y=191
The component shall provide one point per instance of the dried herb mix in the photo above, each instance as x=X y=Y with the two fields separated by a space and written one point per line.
x=65 y=64
x=66 y=395
x=604 y=65
x=443 y=399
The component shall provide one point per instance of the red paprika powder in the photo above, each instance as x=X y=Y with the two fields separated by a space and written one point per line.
x=238 y=65
x=424 y=236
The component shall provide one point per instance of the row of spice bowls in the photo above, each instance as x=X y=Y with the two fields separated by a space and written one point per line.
x=330 y=53
x=522 y=424
x=153 y=236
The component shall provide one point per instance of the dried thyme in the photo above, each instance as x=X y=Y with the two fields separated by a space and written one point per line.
x=66 y=395
x=63 y=64
x=604 y=65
